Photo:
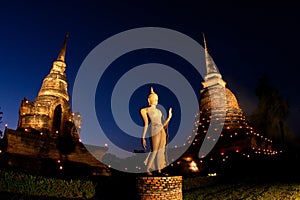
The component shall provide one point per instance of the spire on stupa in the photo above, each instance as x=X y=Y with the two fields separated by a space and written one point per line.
x=213 y=76
x=62 y=54
x=55 y=83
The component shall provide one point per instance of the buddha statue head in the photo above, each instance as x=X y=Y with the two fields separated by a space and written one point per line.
x=152 y=98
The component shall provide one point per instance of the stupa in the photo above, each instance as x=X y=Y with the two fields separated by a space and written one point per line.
x=222 y=132
x=47 y=137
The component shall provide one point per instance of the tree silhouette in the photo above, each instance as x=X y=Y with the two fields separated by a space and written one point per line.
x=272 y=111
x=3 y=140
x=1 y=115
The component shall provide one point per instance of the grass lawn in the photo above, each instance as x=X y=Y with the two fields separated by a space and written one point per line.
x=194 y=188
x=245 y=191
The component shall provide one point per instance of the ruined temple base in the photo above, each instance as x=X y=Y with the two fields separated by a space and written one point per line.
x=166 y=187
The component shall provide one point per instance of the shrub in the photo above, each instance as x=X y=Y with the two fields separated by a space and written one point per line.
x=21 y=183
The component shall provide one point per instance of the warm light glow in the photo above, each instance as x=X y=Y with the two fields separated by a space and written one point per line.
x=105 y=145
x=188 y=158
x=212 y=174
x=193 y=167
x=60 y=167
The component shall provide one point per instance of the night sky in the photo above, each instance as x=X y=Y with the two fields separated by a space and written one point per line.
x=244 y=41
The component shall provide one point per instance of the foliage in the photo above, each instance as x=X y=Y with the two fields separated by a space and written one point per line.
x=272 y=111
x=25 y=184
x=1 y=114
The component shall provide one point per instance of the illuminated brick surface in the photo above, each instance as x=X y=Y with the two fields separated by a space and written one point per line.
x=164 y=188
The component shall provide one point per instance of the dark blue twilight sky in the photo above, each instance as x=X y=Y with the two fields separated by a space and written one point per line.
x=244 y=41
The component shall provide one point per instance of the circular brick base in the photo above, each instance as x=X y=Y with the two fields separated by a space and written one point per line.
x=150 y=188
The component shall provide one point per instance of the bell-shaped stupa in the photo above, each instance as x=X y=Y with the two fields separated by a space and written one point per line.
x=221 y=131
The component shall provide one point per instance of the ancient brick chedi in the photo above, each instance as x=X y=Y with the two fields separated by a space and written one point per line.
x=221 y=116
x=50 y=112
x=222 y=134
x=49 y=132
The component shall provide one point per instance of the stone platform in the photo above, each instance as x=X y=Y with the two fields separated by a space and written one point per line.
x=159 y=188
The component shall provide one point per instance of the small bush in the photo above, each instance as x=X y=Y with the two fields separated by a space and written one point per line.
x=21 y=183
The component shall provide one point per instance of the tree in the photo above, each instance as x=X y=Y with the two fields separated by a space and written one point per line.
x=1 y=114
x=272 y=111
x=3 y=140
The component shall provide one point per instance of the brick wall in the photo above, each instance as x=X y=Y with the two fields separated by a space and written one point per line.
x=45 y=147
x=156 y=188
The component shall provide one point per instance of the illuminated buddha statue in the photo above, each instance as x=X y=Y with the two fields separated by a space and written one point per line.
x=158 y=136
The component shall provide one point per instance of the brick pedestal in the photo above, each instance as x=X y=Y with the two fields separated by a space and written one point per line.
x=155 y=188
